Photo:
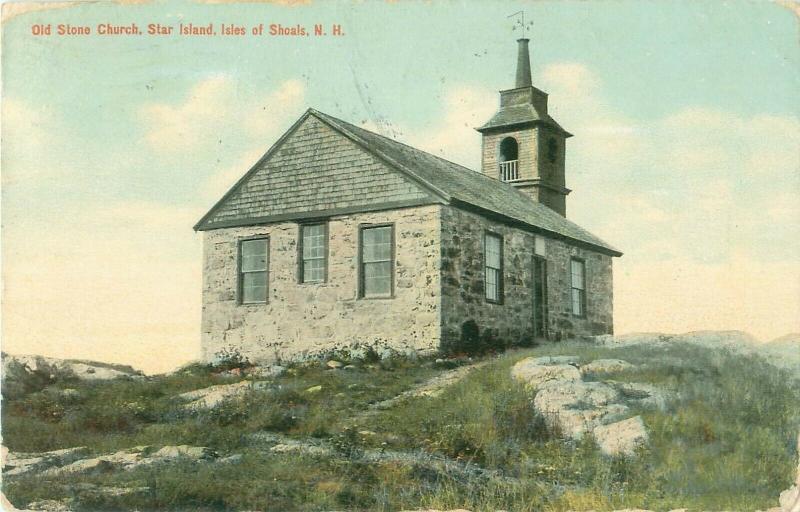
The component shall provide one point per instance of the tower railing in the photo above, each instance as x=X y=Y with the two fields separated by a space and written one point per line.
x=509 y=171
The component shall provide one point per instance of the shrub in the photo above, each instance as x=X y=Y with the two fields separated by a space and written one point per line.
x=474 y=342
x=347 y=443
x=231 y=358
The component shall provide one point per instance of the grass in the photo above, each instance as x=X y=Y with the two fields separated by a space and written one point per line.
x=726 y=440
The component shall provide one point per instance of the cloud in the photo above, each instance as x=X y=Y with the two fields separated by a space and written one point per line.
x=453 y=136
x=215 y=109
x=704 y=202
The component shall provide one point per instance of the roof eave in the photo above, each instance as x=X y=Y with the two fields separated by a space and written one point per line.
x=607 y=249
x=488 y=128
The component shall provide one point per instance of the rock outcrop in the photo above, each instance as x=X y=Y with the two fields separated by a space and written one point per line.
x=577 y=408
x=84 y=370
x=72 y=461
x=535 y=372
x=606 y=366
x=621 y=437
x=15 y=464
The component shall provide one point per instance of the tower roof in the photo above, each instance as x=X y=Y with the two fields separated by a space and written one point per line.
x=524 y=105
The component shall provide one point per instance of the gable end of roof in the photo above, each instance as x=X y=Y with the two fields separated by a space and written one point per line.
x=201 y=224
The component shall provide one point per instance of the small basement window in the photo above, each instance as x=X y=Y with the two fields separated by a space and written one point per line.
x=253 y=265
x=578 y=278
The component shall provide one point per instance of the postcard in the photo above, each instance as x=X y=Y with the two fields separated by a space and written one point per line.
x=305 y=255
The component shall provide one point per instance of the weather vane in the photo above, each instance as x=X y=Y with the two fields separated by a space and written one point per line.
x=520 y=23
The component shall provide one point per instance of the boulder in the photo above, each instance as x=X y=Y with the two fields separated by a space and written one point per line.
x=49 y=506
x=534 y=374
x=334 y=365
x=606 y=366
x=300 y=448
x=575 y=423
x=184 y=451
x=621 y=437
x=207 y=398
x=236 y=458
x=790 y=500
x=267 y=372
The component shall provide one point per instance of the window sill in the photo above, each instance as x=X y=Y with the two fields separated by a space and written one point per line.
x=376 y=297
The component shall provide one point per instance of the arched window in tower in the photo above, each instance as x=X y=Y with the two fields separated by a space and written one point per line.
x=509 y=171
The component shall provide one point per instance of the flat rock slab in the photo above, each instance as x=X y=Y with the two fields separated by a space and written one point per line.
x=131 y=459
x=210 y=397
x=622 y=437
x=534 y=374
x=15 y=464
x=606 y=366
x=556 y=395
x=576 y=408
x=431 y=388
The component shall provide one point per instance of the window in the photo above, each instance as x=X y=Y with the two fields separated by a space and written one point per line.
x=578 y=271
x=377 y=261
x=253 y=255
x=313 y=253
x=493 y=258
x=552 y=150
x=539 y=246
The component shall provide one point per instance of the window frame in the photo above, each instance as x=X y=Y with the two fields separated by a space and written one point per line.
x=392 y=259
x=240 y=273
x=581 y=291
x=325 y=252
x=500 y=271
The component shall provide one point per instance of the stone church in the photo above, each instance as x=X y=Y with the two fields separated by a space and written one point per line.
x=342 y=237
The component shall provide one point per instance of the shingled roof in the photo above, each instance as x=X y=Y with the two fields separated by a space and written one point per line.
x=454 y=184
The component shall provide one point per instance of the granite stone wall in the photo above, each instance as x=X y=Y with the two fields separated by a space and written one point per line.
x=463 y=297
x=304 y=319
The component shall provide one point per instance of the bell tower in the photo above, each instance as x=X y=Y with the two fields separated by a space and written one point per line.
x=522 y=144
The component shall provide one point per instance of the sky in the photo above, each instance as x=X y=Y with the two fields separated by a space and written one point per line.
x=685 y=155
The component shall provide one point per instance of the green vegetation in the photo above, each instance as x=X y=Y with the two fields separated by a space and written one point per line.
x=725 y=440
